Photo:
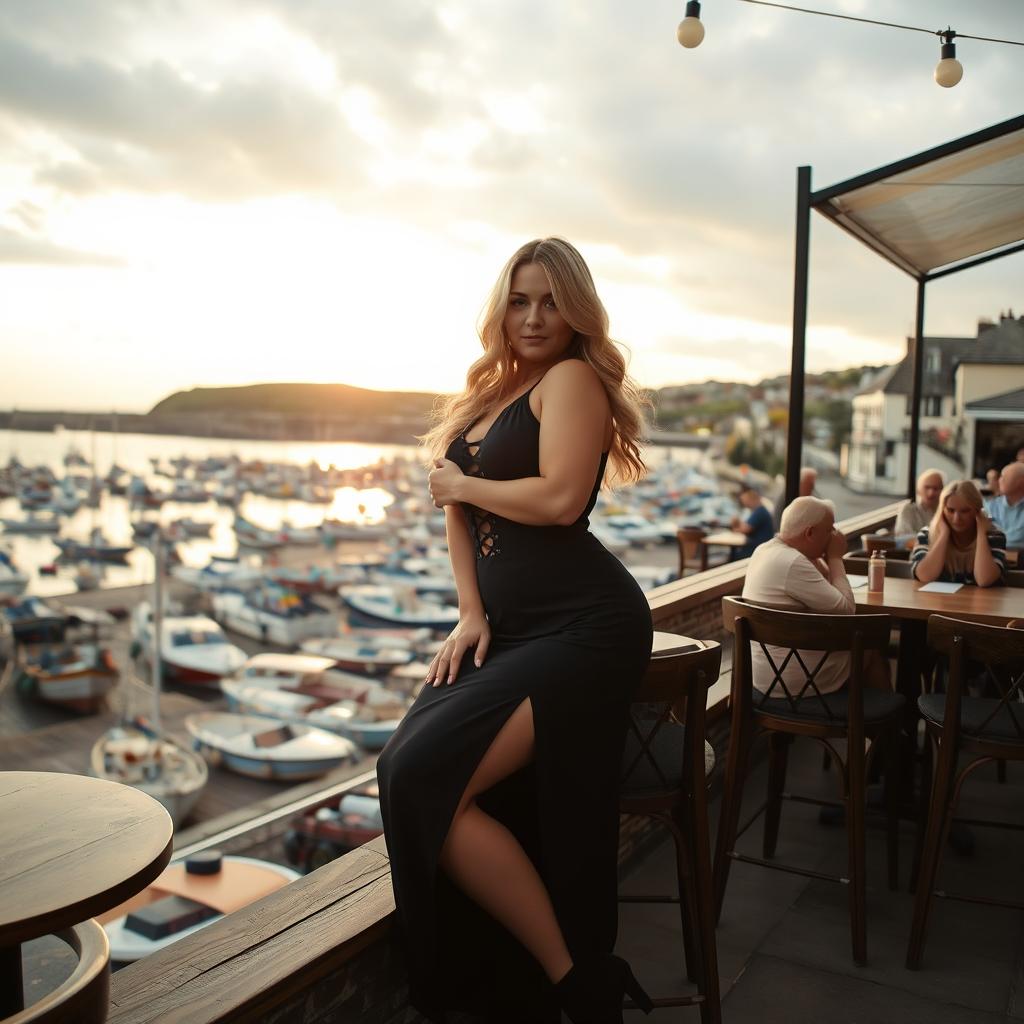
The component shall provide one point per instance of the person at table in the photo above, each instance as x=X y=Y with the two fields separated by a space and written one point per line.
x=992 y=480
x=757 y=526
x=803 y=569
x=1007 y=510
x=914 y=516
x=955 y=547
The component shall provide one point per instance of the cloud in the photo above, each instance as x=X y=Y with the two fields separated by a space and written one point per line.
x=17 y=248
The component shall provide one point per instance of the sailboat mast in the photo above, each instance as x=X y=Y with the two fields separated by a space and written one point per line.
x=158 y=620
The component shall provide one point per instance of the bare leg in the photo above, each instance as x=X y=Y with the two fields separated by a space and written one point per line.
x=486 y=861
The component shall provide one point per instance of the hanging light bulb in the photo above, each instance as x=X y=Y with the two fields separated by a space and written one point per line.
x=949 y=70
x=691 y=29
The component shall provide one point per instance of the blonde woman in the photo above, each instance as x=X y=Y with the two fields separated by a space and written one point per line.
x=955 y=547
x=499 y=787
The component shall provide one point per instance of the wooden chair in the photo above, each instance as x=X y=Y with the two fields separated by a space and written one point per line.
x=665 y=767
x=876 y=543
x=84 y=997
x=785 y=711
x=981 y=728
x=693 y=553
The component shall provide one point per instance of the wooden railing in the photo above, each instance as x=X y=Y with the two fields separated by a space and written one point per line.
x=320 y=949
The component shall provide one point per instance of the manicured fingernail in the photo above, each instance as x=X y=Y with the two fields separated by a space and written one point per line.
x=451 y=679
x=477 y=662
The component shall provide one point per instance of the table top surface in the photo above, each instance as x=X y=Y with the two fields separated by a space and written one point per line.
x=72 y=847
x=903 y=599
x=729 y=538
x=671 y=643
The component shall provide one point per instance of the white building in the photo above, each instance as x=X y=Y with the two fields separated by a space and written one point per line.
x=970 y=418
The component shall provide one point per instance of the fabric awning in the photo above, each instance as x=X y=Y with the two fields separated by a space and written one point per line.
x=949 y=204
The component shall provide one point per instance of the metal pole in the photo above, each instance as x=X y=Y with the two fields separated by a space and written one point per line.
x=794 y=440
x=158 y=621
x=915 y=390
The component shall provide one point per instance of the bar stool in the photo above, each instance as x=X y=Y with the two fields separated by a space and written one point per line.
x=665 y=767
x=84 y=997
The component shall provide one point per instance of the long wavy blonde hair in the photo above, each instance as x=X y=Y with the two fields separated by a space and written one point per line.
x=967 y=490
x=493 y=377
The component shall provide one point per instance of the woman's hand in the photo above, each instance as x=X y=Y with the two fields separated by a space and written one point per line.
x=942 y=531
x=472 y=630
x=985 y=525
x=444 y=481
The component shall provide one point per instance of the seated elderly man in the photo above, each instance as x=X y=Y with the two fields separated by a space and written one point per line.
x=803 y=569
x=914 y=516
x=1007 y=510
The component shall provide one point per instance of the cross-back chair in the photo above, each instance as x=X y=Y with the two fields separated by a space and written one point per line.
x=790 y=708
x=665 y=767
x=969 y=731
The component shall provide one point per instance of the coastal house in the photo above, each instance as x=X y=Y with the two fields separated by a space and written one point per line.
x=972 y=410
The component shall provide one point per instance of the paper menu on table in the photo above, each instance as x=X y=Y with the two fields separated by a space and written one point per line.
x=941 y=588
x=856 y=581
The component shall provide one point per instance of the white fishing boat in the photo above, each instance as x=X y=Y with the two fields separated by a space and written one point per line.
x=220 y=574
x=442 y=586
x=12 y=581
x=334 y=529
x=96 y=548
x=315 y=579
x=254 y=536
x=134 y=754
x=268 y=748
x=186 y=897
x=291 y=534
x=396 y=606
x=138 y=753
x=304 y=689
x=74 y=675
x=358 y=654
x=274 y=615
x=32 y=524
x=193 y=648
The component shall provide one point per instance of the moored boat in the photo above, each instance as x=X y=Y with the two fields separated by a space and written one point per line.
x=33 y=621
x=362 y=655
x=76 y=676
x=193 y=648
x=186 y=897
x=274 y=615
x=268 y=748
x=134 y=755
x=394 y=606
x=12 y=581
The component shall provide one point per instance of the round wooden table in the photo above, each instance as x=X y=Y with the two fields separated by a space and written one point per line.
x=71 y=847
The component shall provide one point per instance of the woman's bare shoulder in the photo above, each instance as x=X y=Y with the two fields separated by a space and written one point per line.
x=572 y=377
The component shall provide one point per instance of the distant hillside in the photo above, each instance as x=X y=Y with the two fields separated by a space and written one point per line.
x=299 y=399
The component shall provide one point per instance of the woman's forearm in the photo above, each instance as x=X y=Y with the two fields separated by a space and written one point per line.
x=532 y=500
x=463 y=559
x=986 y=569
x=930 y=567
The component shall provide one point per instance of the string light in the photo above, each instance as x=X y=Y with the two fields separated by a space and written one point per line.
x=948 y=71
x=690 y=32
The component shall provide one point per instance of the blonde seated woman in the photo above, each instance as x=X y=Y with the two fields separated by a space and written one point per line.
x=955 y=547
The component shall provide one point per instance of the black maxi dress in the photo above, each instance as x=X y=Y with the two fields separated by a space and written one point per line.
x=571 y=631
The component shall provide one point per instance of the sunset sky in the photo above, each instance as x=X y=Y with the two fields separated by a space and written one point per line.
x=232 y=191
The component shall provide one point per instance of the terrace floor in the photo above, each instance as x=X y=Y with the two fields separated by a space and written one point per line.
x=784 y=940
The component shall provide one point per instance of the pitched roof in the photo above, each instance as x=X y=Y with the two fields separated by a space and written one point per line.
x=1003 y=343
x=1008 y=401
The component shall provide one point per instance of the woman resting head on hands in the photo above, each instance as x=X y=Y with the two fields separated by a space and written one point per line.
x=955 y=547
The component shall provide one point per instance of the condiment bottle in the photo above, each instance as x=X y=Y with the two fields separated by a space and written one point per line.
x=876 y=572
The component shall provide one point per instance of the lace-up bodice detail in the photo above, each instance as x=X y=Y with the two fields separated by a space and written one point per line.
x=483 y=525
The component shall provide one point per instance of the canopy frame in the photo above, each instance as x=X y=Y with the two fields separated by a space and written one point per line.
x=826 y=202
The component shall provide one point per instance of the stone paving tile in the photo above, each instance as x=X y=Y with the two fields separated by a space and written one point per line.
x=774 y=991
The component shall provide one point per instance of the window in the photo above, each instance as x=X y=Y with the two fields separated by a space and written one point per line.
x=932 y=360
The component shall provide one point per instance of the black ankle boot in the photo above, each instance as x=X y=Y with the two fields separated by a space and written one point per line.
x=593 y=990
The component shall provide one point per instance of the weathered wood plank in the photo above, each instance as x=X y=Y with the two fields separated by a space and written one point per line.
x=266 y=952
